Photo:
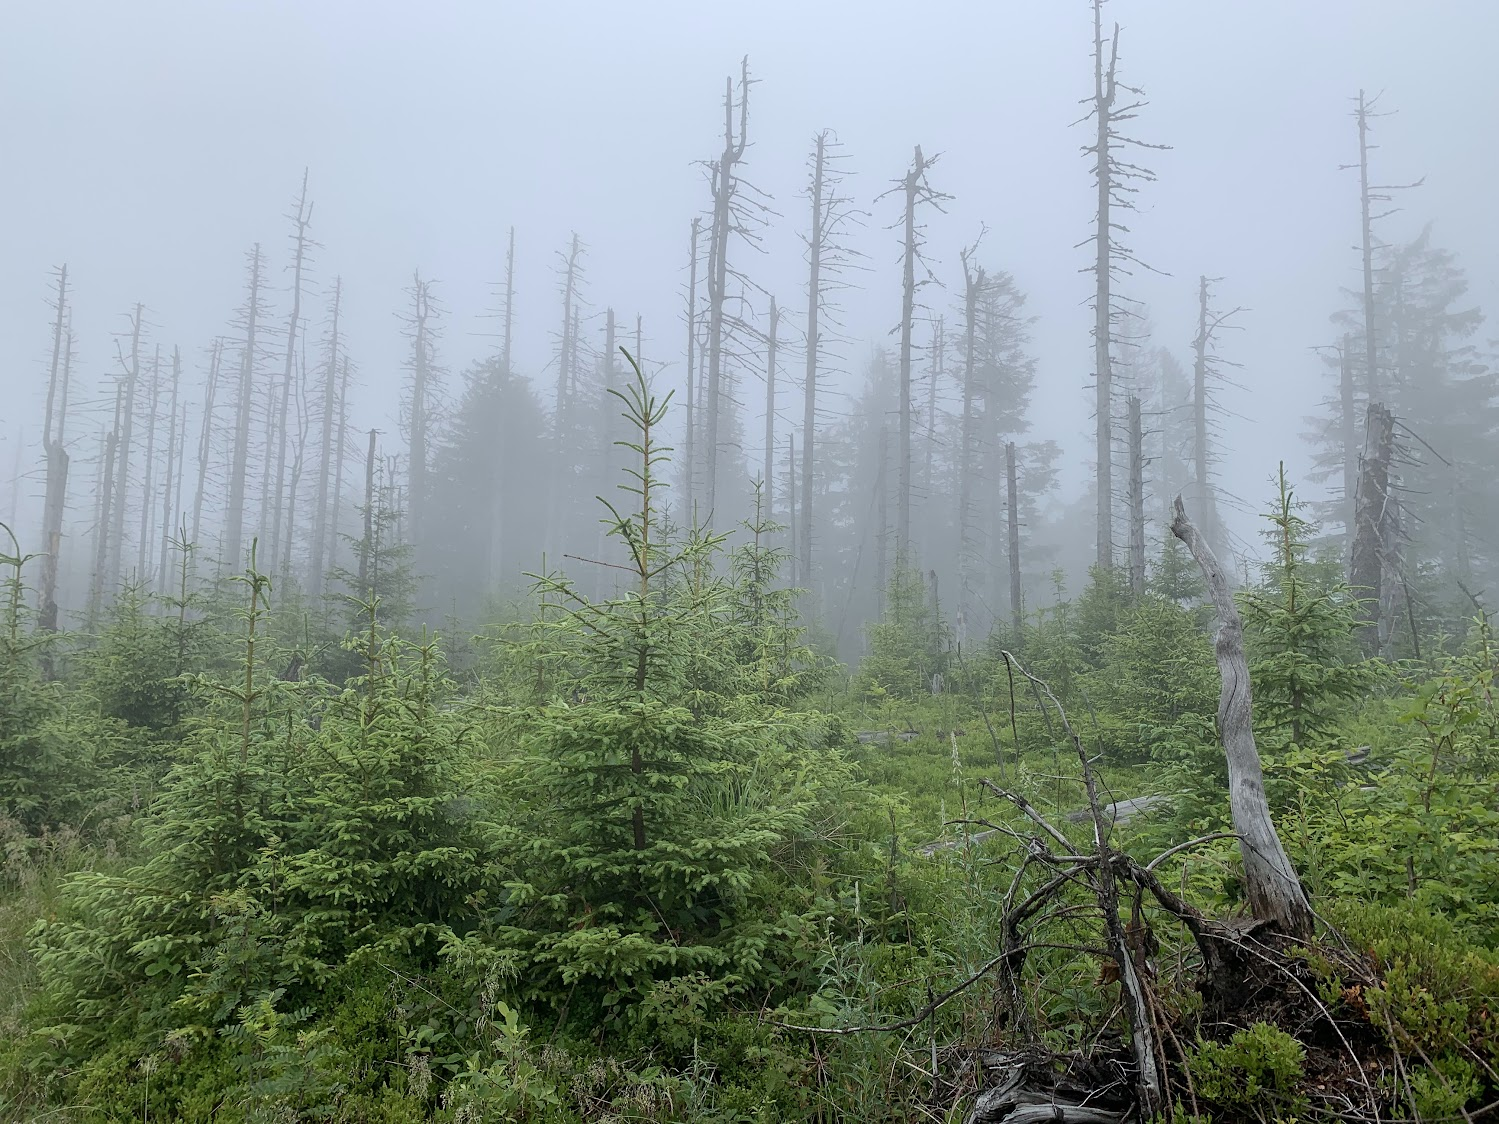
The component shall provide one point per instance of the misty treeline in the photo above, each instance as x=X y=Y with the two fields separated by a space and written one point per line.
x=732 y=721
x=914 y=454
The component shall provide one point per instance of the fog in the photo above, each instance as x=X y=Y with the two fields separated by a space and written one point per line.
x=150 y=144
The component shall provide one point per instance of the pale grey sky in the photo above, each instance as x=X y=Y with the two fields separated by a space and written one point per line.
x=149 y=143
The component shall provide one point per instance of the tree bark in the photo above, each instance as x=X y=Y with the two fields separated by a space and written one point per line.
x=770 y=410
x=1271 y=884
x=234 y=518
x=1374 y=501
x=1136 y=499
x=816 y=244
x=1012 y=511
x=56 y=496
x=1103 y=101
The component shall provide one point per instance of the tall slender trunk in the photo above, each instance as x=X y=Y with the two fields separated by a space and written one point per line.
x=562 y=417
x=509 y=301
x=234 y=515
x=299 y=453
x=1103 y=104
x=1366 y=226
x=973 y=285
x=338 y=472
x=302 y=218
x=1374 y=512
x=121 y=496
x=318 y=564
x=366 y=547
x=421 y=362
x=205 y=437
x=1136 y=499
x=770 y=409
x=816 y=244
x=797 y=580
x=724 y=187
x=56 y=498
x=1349 y=424
x=104 y=553
x=1012 y=515
x=167 y=510
x=690 y=475
x=1200 y=412
x=143 y=566
x=907 y=323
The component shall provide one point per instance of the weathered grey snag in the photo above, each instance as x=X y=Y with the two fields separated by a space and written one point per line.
x=1366 y=227
x=234 y=518
x=55 y=500
x=168 y=502
x=102 y=525
x=1271 y=884
x=769 y=473
x=1112 y=177
x=915 y=190
x=336 y=522
x=205 y=436
x=148 y=468
x=421 y=329
x=317 y=565
x=509 y=301
x=1104 y=93
x=817 y=240
x=1375 y=513
x=301 y=220
x=121 y=498
x=1349 y=426
x=690 y=471
x=725 y=186
x=1012 y=514
x=1136 y=498
x=974 y=284
x=366 y=548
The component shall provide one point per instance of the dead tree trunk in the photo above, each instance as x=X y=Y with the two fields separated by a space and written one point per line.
x=1012 y=513
x=1366 y=228
x=1375 y=504
x=1104 y=92
x=301 y=219
x=817 y=239
x=797 y=581
x=167 y=507
x=366 y=547
x=336 y=522
x=915 y=190
x=1271 y=885
x=123 y=447
x=318 y=564
x=205 y=437
x=509 y=302
x=102 y=551
x=234 y=516
x=56 y=496
x=143 y=567
x=1136 y=499
x=420 y=326
x=725 y=185
x=1349 y=426
x=690 y=472
x=768 y=475
x=973 y=286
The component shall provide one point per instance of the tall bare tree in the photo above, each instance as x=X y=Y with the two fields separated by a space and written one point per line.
x=131 y=370
x=421 y=330
x=725 y=184
x=168 y=504
x=915 y=190
x=327 y=451
x=1115 y=182
x=829 y=259
x=1206 y=373
x=54 y=447
x=205 y=436
x=767 y=475
x=301 y=244
x=250 y=316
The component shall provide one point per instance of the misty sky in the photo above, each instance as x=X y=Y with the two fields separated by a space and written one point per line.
x=148 y=143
